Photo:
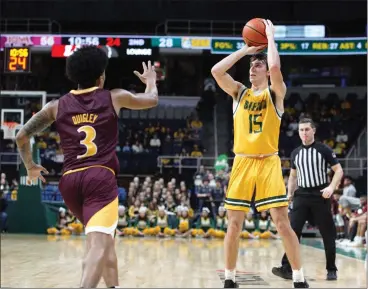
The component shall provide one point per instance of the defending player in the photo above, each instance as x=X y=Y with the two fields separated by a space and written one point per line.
x=257 y=113
x=87 y=121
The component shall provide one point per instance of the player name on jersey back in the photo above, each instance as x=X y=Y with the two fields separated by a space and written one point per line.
x=84 y=118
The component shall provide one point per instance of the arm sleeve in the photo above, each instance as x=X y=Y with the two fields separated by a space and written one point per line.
x=329 y=155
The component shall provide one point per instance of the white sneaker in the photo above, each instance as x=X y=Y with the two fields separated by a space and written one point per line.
x=355 y=244
x=344 y=242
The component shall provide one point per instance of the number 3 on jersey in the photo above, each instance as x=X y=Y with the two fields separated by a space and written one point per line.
x=255 y=126
x=91 y=148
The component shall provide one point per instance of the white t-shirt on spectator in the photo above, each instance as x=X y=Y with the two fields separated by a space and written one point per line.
x=342 y=138
x=293 y=126
x=137 y=148
x=349 y=191
x=212 y=183
x=155 y=142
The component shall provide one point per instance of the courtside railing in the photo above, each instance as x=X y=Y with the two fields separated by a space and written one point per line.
x=182 y=163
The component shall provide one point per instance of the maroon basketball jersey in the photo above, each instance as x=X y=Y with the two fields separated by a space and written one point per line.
x=88 y=127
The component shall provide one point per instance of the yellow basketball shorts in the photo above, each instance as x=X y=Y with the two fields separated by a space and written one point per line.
x=262 y=177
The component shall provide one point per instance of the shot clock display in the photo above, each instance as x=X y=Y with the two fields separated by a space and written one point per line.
x=17 y=60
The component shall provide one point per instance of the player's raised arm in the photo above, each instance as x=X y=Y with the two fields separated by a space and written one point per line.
x=219 y=70
x=273 y=59
x=41 y=120
x=123 y=98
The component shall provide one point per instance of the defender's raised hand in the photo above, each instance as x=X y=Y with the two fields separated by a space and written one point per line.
x=149 y=73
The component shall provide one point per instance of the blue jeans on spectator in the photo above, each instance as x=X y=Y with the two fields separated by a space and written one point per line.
x=3 y=219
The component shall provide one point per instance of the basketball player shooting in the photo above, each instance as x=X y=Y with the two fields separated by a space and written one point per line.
x=257 y=113
x=87 y=122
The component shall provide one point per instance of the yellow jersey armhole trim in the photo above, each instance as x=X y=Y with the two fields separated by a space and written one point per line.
x=86 y=168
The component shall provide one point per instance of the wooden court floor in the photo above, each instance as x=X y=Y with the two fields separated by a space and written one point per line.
x=45 y=261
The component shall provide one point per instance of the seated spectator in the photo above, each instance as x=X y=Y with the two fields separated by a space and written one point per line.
x=357 y=226
x=179 y=134
x=338 y=219
x=4 y=184
x=183 y=223
x=150 y=129
x=342 y=137
x=170 y=204
x=330 y=142
x=348 y=200
x=3 y=214
x=196 y=124
x=196 y=152
x=123 y=221
x=339 y=149
x=155 y=142
x=137 y=147
x=126 y=148
x=66 y=224
x=345 y=105
x=205 y=225
x=293 y=125
x=41 y=144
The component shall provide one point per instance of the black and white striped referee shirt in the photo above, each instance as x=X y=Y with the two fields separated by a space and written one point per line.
x=310 y=163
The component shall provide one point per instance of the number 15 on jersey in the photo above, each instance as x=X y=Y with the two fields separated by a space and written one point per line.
x=255 y=123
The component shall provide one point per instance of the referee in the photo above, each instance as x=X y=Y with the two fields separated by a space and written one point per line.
x=312 y=197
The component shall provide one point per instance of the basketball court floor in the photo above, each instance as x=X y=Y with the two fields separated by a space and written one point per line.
x=48 y=261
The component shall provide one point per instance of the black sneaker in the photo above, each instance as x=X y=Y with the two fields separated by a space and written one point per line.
x=331 y=275
x=301 y=284
x=282 y=272
x=230 y=284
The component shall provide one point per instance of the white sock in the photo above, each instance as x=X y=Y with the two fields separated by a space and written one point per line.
x=298 y=275
x=230 y=274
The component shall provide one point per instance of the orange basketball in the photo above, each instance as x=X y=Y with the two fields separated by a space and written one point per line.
x=254 y=32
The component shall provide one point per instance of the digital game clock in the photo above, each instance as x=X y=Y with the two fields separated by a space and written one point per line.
x=17 y=60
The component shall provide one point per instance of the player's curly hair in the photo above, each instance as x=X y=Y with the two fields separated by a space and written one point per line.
x=86 y=65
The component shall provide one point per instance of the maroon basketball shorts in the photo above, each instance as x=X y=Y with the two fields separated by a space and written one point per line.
x=91 y=194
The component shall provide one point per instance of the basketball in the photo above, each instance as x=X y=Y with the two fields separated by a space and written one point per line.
x=254 y=32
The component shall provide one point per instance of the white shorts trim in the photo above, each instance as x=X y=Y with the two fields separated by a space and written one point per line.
x=101 y=229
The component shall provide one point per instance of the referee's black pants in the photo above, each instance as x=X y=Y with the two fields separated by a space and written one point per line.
x=318 y=208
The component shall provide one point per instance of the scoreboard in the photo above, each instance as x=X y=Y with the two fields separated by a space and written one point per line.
x=325 y=46
x=146 y=46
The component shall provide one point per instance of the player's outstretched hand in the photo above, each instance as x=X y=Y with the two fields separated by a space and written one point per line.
x=149 y=73
x=34 y=173
x=270 y=29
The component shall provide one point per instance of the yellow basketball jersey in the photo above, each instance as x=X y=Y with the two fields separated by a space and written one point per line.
x=256 y=123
